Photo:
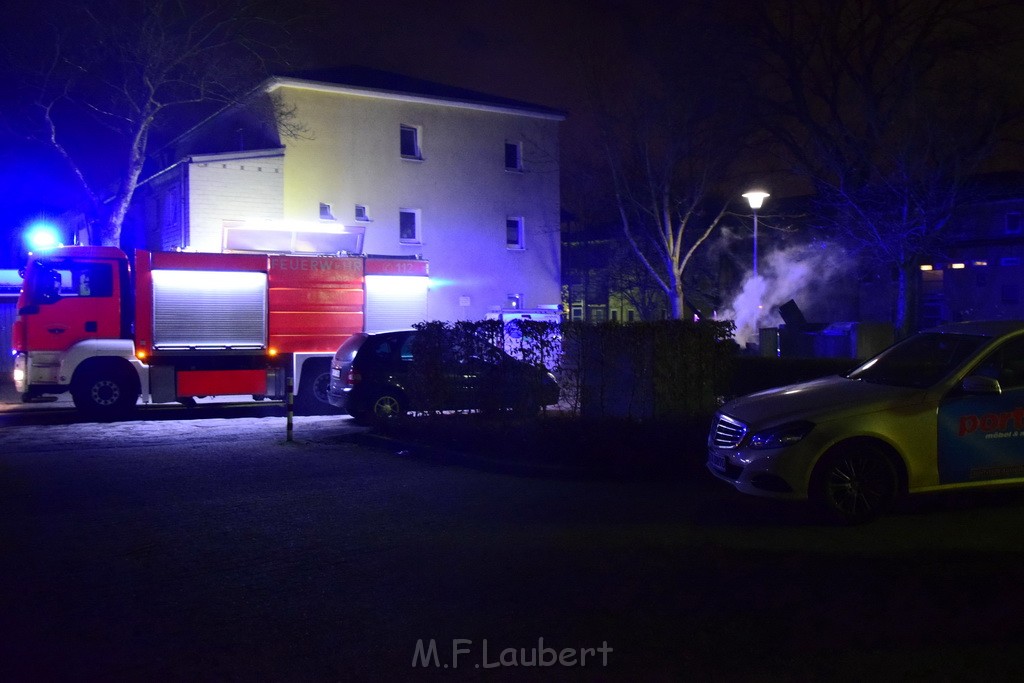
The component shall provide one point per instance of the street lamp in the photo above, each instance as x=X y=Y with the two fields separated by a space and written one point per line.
x=756 y=199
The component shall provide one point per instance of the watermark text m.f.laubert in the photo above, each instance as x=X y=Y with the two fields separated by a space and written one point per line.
x=463 y=653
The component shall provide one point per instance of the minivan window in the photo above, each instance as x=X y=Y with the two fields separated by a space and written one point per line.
x=407 y=348
x=381 y=349
x=347 y=351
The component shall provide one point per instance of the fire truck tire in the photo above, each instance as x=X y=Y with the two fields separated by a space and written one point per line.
x=314 y=385
x=105 y=392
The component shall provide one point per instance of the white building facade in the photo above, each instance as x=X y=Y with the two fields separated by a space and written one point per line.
x=382 y=165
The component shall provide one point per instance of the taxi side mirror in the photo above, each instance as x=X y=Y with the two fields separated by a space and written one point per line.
x=979 y=384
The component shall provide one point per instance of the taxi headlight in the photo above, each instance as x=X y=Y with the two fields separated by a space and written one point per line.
x=781 y=436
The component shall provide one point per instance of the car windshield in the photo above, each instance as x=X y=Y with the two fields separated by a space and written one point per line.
x=919 y=361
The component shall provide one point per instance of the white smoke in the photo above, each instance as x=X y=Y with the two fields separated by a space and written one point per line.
x=802 y=273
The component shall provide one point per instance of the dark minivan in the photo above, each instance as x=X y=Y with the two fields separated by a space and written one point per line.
x=379 y=376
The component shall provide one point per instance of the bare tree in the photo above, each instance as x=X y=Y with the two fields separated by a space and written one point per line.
x=116 y=72
x=887 y=107
x=672 y=125
x=630 y=280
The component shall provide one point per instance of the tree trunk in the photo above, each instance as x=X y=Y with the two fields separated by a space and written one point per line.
x=677 y=298
x=111 y=231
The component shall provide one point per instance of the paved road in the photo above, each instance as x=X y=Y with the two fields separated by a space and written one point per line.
x=51 y=410
x=213 y=549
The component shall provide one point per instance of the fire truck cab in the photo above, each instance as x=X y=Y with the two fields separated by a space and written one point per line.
x=74 y=329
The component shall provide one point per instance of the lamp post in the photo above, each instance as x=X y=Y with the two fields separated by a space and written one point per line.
x=756 y=199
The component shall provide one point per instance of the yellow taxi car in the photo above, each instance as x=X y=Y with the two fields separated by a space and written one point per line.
x=939 y=410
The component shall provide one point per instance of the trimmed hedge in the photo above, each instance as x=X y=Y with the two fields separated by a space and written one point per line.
x=645 y=371
x=656 y=371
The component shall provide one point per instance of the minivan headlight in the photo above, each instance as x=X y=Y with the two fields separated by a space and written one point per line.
x=781 y=436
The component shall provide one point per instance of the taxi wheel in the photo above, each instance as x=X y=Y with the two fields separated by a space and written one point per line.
x=854 y=483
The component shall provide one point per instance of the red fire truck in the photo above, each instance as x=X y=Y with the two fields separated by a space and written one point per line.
x=183 y=325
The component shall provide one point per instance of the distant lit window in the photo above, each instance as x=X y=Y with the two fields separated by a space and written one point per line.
x=362 y=213
x=1013 y=224
x=409 y=226
x=513 y=156
x=325 y=212
x=514 y=232
x=410 y=142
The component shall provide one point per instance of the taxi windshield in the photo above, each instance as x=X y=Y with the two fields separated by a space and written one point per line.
x=919 y=361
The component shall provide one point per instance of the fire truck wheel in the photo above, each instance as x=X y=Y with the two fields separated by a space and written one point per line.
x=105 y=393
x=314 y=385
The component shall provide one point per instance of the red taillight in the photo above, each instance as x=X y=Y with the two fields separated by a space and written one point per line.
x=352 y=378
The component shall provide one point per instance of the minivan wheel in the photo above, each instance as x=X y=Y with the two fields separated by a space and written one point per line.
x=387 y=407
x=854 y=483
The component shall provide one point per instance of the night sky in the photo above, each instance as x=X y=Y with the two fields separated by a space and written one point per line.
x=522 y=49
x=509 y=48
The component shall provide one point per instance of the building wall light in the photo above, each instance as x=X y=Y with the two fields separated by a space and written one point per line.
x=957 y=266
x=926 y=267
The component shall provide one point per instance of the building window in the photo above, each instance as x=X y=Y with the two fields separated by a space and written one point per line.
x=1013 y=225
x=410 y=142
x=362 y=213
x=325 y=212
x=514 y=232
x=409 y=226
x=577 y=313
x=513 y=156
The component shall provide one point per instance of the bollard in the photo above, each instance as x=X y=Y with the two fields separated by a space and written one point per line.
x=289 y=403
